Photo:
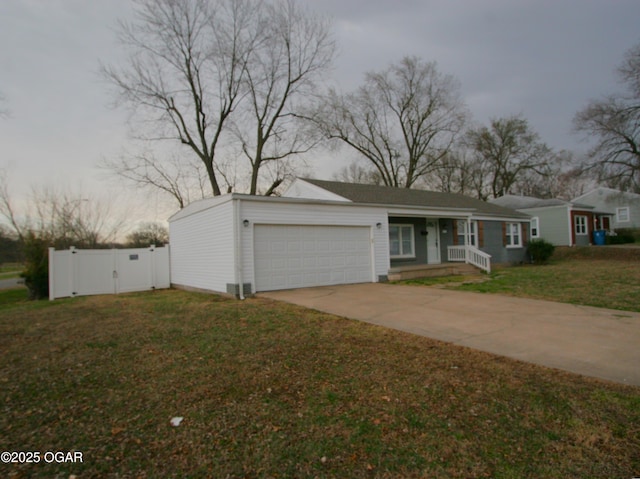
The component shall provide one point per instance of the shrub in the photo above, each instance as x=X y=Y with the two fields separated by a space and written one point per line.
x=540 y=250
x=623 y=236
x=36 y=273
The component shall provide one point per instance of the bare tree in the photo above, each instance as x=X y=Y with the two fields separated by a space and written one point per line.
x=358 y=173
x=504 y=152
x=404 y=120
x=182 y=180
x=148 y=234
x=7 y=208
x=296 y=48
x=615 y=122
x=562 y=177
x=186 y=69
x=457 y=173
x=61 y=218
x=67 y=219
x=207 y=73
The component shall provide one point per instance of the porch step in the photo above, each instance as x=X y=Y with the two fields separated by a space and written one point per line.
x=432 y=270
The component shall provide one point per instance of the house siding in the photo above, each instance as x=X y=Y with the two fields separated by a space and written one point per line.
x=494 y=244
x=420 y=241
x=202 y=249
x=490 y=233
x=263 y=212
x=605 y=199
x=553 y=224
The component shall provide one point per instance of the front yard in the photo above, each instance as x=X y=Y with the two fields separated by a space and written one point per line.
x=605 y=277
x=271 y=390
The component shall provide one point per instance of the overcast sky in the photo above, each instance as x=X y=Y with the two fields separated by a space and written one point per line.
x=544 y=59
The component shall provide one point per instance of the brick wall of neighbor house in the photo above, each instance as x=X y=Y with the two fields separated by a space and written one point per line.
x=582 y=240
x=420 y=242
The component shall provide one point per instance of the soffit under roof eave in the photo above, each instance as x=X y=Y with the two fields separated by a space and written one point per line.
x=462 y=213
x=508 y=219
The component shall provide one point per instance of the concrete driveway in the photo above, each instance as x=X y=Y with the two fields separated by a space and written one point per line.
x=11 y=283
x=596 y=342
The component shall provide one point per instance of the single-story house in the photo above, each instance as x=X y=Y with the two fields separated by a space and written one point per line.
x=325 y=233
x=623 y=207
x=562 y=223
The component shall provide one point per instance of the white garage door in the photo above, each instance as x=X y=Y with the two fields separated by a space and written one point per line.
x=303 y=256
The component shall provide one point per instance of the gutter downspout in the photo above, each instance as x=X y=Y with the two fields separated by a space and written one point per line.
x=571 y=241
x=238 y=247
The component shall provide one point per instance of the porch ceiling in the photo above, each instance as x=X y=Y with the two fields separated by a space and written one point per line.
x=461 y=214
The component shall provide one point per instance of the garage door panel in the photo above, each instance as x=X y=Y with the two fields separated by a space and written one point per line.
x=295 y=264
x=312 y=256
x=323 y=245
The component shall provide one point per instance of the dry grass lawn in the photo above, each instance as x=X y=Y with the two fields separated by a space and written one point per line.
x=605 y=277
x=269 y=390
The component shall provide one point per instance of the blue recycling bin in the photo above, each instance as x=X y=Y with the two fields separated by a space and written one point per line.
x=599 y=237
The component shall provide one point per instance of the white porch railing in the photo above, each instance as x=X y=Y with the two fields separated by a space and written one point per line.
x=471 y=255
x=457 y=253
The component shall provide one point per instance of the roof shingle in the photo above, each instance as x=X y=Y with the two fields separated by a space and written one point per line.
x=386 y=195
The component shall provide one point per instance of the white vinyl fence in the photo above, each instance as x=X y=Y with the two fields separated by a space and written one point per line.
x=78 y=272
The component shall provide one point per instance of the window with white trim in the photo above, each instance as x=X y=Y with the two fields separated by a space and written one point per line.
x=514 y=238
x=401 y=241
x=468 y=229
x=622 y=214
x=581 y=225
x=535 y=227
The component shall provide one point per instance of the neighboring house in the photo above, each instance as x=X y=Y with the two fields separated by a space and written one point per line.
x=560 y=222
x=623 y=207
x=324 y=233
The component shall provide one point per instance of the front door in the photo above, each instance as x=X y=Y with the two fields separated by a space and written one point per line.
x=433 y=243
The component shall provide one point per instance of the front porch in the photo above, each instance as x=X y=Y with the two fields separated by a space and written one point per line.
x=399 y=273
x=427 y=246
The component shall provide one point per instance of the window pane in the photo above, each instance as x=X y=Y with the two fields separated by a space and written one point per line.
x=460 y=227
x=623 y=214
x=406 y=247
x=401 y=240
x=407 y=240
x=534 y=227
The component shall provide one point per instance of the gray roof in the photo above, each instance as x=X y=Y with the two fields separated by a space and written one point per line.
x=524 y=202
x=386 y=195
x=519 y=202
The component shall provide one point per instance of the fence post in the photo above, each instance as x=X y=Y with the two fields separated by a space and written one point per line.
x=73 y=276
x=152 y=265
x=52 y=294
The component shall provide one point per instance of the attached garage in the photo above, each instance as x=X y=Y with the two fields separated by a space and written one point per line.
x=298 y=256
x=243 y=244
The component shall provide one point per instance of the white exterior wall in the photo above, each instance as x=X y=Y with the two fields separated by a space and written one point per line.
x=203 y=249
x=303 y=213
x=301 y=189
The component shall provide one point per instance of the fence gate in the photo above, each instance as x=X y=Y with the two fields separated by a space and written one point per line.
x=81 y=272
